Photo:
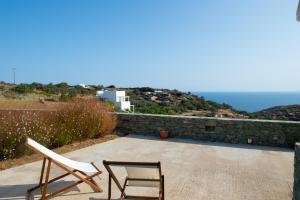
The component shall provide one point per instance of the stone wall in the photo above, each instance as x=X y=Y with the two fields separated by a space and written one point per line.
x=258 y=132
x=297 y=173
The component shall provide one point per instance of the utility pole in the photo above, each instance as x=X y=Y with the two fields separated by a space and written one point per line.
x=14 y=74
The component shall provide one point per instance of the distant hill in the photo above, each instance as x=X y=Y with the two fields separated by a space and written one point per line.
x=51 y=92
x=145 y=99
x=165 y=101
x=290 y=112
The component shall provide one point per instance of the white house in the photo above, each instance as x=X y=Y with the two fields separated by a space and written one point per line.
x=118 y=97
x=84 y=86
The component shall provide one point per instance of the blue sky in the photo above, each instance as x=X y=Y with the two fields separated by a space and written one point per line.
x=224 y=45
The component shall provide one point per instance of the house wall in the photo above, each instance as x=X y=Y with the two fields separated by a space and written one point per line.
x=120 y=94
x=125 y=105
x=258 y=132
x=111 y=95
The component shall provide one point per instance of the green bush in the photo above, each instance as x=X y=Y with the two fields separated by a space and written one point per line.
x=58 y=89
x=24 y=88
x=153 y=108
x=67 y=97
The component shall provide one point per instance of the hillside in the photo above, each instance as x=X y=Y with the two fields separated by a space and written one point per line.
x=145 y=99
x=290 y=112
x=165 y=101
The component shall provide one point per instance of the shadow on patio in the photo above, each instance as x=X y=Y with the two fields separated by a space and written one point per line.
x=20 y=191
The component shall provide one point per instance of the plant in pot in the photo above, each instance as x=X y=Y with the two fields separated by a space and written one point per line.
x=164 y=134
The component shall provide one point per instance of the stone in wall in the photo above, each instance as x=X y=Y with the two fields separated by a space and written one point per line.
x=244 y=131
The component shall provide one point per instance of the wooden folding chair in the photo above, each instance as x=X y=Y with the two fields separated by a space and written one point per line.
x=139 y=174
x=79 y=170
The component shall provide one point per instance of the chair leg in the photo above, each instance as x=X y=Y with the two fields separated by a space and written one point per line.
x=86 y=179
x=123 y=189
x=68 y=187
x=109 y=187
x=93 y=181
x=95 y=187
x=43 y=185
x=46 y=181
x=42 y=172
x=162 y=187
x=49 y=181
x=29 y=197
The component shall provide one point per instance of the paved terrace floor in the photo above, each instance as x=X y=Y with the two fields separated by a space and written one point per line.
x=193 y=170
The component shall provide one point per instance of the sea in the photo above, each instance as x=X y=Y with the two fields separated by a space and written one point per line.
x=252 y=101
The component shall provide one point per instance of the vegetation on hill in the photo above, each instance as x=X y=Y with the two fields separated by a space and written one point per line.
x=61 y=91
x=164 y=101
x=145 y=99
x=291 y=112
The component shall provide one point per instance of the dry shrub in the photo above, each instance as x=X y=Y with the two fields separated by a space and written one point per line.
x=70 y=122
x=16 y=124
x=82 y=119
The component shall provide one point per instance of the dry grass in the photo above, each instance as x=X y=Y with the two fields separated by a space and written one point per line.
x=64 y=149
x=82 y=119
x=14 y=104
x=66 y=123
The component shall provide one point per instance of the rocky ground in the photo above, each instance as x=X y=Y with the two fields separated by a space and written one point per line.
x=291 y=112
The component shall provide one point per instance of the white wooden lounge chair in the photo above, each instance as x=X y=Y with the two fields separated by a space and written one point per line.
x=75 y=168
x=139 y=174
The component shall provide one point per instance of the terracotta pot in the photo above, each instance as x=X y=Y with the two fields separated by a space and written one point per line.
x=164 y=134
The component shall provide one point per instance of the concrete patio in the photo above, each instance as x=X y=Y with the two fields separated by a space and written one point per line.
x=192 y=169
